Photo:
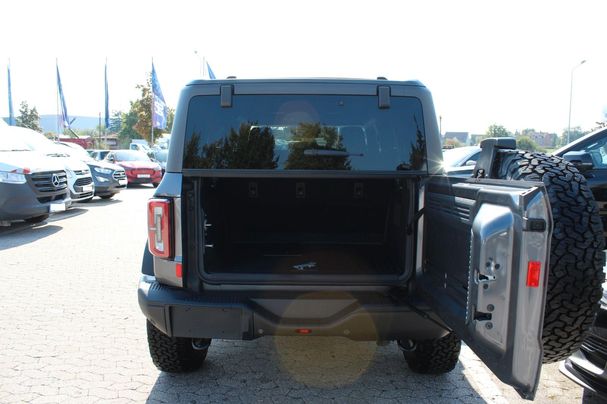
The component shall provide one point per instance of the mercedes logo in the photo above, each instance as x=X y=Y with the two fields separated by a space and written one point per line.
x=55 y=180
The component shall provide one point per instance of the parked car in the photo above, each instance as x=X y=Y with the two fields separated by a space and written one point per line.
x=98 y=154
x=139 y=168
x=31 y=186
x=80 y=181
x=160 y=156
x=588 y=366
x=109 y=178
x=589 y=155
x=334 y=218
x=465 y=156
x=140 y=145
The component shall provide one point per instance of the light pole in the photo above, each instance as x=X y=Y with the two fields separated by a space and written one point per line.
x=571 y=98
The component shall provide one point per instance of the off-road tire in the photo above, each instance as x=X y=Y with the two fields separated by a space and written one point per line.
x=36 y=219
x=434 y=356
x=576 y=253
x=173 y=354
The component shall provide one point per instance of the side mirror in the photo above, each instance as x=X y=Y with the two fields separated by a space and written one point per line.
x=580 y=159
x=470 y=163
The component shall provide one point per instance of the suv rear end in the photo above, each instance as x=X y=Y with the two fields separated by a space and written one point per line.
x=279 y=215
x=317 y=208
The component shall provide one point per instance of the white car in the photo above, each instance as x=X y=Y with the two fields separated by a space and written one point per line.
x=80 y=181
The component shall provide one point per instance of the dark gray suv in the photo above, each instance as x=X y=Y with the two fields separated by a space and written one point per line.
x=320 y=208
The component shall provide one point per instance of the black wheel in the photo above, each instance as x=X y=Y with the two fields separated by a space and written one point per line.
x=174 y=354
x=37 y=219
x=110 y=196
x=576 y=253
x=432 y=356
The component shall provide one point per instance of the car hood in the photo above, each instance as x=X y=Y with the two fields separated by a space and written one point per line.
x=139 y=164
x=33 y=161
x=103 y=164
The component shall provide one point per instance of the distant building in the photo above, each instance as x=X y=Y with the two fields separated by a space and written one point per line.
x=543 y=139
x=461 y=137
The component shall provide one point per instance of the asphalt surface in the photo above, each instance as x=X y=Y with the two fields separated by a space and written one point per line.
x=71 y=331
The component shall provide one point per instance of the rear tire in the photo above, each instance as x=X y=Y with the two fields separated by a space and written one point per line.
x=37 y=219
x=434 y=356
x=173 y=354
x=576 y=253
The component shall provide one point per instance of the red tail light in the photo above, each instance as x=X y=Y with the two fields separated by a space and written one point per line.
x=533 y=274
x=160 y=223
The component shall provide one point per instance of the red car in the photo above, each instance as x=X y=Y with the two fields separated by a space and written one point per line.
x=139 y=168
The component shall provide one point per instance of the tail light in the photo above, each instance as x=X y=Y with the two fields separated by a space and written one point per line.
x=160 y=223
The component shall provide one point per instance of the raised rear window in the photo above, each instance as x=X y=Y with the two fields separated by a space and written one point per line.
x=305 y=132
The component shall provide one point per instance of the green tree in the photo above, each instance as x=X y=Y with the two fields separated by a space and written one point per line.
x=526 y=143
x=497 y=131
x=28 y=118
x=576 y=133
x=127 y=130
x=143 y=110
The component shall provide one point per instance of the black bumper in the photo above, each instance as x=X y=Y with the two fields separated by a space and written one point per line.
x=588 y=366
x=245 y=316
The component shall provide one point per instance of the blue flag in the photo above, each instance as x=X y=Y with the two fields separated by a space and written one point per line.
x=11 y=113
x=160 y=111
x=65 y=120
x=210 y=72
x=107 y=101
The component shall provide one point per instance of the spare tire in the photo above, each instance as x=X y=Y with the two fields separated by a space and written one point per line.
x=576 y=254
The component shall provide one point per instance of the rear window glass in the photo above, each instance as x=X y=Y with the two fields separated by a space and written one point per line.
x=305 y=132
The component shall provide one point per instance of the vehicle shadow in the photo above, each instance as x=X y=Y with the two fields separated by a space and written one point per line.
x=100 y=202
x=299 y=369
x=72 y=212
x=23 y=233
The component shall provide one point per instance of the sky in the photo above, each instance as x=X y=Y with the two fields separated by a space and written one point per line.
x=485 y=62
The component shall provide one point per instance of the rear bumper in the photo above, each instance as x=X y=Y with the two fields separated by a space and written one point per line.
x=245 y=316
x=588 y=366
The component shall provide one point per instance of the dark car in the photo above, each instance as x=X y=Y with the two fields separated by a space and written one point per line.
x=588 y=366
x=318 y=207
x=139 y=168
x=109 y=178
x=589 y=155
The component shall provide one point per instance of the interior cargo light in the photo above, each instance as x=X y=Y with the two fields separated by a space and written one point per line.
x=533 y=274
x=159 y=227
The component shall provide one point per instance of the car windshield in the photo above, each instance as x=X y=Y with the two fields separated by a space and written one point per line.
x=131 y=155
x=451 y=157
x=74 y=151
x=8 y=144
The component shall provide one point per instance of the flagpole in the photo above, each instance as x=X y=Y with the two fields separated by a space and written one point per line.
x=152 y=103
x=57 y=86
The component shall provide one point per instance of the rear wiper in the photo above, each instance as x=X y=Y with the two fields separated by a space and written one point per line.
x=333 y=153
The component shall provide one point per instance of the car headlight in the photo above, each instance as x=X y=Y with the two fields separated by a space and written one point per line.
x=70 y=173
x=12 y=178
x=102 y=170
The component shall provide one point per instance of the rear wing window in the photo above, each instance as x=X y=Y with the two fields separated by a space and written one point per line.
x=305 y=132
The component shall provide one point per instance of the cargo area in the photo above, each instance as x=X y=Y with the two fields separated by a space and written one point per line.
x=305 y=229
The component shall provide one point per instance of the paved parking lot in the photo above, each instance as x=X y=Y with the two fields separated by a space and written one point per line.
x=71 y=331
